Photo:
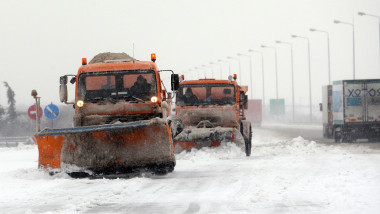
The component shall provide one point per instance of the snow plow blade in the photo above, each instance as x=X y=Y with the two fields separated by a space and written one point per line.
x=206 y=137
x=107 y=148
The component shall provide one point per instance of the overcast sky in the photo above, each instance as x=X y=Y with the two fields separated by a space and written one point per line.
x=42 y=40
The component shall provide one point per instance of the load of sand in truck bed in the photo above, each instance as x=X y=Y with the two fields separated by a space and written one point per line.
x=99 y=58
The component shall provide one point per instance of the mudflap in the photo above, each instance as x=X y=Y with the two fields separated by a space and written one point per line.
x=206 y=137
x=108 y=149
x=247 y=134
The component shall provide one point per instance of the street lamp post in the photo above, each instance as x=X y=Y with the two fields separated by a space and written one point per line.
x=328 y=49
x=378 y=18
x=353 y=42
x=191 y=73
x=291 y=62
x=204 y=71
x=230 y=57
x=220 y=68
x=275 y=58
x=250 y=70
x=308 y=51
x=229 y=65
x=262 y=72
x=212 y=72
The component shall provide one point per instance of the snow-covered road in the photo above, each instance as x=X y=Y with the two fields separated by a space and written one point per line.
x=283 y=175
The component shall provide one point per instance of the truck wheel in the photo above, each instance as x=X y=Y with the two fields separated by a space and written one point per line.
x=163 y=168
x=337 y=135
x=348 y=138
x=329 y=133
x=248 y=143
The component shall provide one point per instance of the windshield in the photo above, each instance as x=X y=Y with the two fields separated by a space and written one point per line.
x=139 y=85
x=206 y=94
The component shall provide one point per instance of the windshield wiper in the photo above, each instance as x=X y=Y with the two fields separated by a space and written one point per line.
x=138 y=99
x=112 y=100
x=96 y=99
x=131 y=96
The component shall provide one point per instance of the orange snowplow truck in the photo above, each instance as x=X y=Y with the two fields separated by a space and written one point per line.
x=119 y=122
x=209 y=112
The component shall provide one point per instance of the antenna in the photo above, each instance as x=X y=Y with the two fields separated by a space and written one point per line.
x=133 y=52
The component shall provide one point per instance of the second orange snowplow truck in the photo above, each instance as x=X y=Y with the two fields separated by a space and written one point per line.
x=119 y=122
x=209 y=112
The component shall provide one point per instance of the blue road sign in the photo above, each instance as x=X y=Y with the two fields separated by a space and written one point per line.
x=51 y=111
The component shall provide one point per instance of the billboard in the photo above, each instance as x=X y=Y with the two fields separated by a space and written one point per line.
x=277 y=106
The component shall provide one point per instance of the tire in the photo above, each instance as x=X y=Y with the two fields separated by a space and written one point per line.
x=164 y=168
x=348 y=139
x=337 y=135
x=248 y=143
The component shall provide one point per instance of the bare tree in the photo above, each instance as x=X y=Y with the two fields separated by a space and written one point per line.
x=12 y=115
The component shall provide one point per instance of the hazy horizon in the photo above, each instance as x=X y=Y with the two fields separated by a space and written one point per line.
x=42 y=40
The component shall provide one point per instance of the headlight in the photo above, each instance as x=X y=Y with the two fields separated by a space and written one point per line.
x=154 y=99
x=80 y=103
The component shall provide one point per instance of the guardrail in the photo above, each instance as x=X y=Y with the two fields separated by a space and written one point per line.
x=15 y=141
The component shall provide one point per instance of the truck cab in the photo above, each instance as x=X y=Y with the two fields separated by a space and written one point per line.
x=212 y=111
x=118 y=91
x=120 y=121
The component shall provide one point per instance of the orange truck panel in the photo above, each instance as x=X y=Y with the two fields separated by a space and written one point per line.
x=223 y=119
x=106 y=147
x=111 y=135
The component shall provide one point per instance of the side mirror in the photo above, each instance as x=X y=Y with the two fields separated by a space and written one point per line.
x=245 y=101
x=63 y=80
x=63 y=93
x=73 y=80
x=242 y=98
x=320 y=107
x=175 y=82
x=63 y=89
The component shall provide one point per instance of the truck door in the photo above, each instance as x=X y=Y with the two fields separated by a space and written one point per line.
x=353 y=94
x=372 y=101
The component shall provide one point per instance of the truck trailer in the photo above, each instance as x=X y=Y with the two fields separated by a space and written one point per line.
x=351 y=110
x=254 y=113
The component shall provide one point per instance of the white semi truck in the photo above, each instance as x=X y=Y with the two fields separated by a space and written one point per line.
x=351 y=110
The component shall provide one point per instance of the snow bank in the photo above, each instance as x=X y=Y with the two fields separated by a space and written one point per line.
x=264 y=146
x=261 y=146
x=224 y=151
x=282 y=176
x=19 y=147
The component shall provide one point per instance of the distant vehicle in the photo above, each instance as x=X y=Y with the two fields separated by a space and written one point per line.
x=119 y=122
x=327 y=113
x=211 y=111
x=254 y=113
x=351 y=110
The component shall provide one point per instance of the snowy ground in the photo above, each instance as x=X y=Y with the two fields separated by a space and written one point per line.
x=283 y=175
